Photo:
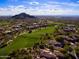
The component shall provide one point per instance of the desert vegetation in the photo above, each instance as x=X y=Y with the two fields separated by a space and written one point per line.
x=28 y=37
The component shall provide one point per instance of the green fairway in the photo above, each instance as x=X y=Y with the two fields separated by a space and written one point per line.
x=26 y=40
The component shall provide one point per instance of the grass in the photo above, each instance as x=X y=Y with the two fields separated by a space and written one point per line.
x=26 y=40
x=3 y=22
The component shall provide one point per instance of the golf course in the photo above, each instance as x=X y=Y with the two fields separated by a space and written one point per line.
x=26 y=40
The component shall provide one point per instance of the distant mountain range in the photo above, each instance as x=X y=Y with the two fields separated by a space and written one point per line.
x=22 y=16
x=49 y=17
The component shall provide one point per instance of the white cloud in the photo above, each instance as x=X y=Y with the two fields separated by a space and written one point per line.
x=11 y=10
x=34 y=3
x=64 y=3
x=50 y=8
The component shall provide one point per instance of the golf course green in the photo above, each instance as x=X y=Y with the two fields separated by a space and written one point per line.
x=26 y=40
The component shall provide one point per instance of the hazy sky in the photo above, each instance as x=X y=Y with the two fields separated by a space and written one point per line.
x=39 y=7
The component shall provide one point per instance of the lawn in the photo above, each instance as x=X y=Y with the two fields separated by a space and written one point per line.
x=26 y=40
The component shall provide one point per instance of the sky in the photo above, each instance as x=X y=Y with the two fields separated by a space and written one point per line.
x=39 y=7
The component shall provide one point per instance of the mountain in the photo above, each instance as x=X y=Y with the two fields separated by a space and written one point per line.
x=22 y=16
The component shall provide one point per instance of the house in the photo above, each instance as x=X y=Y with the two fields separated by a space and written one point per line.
x=59 y=54
x=8 y=33
x=69 y=28
x=54 y=43
x=40 y=58
x=72 y=38
x=47 y=54
x=2 y=29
